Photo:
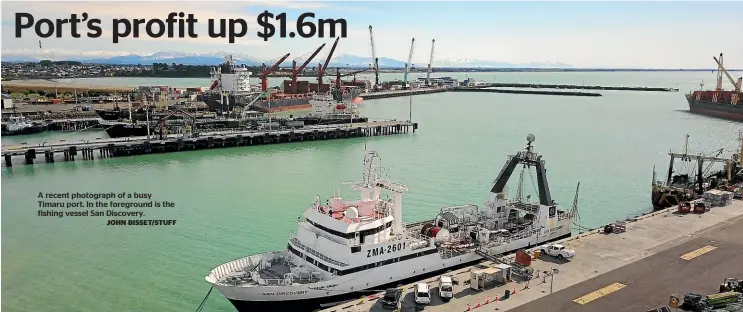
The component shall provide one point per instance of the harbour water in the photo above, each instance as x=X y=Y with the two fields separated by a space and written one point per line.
x=233 y=202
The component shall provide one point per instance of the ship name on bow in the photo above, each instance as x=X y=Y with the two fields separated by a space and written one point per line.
x=385 y=249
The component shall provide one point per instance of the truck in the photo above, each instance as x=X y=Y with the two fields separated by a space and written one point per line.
x=559 y=251
x=446 y=288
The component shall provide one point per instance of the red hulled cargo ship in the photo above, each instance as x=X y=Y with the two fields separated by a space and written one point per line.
x=719 y=103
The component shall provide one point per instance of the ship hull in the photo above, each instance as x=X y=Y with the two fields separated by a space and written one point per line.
x=304 y=298
x=276 y=106
x=124 y=130
x=715 y=109
x=27 y=130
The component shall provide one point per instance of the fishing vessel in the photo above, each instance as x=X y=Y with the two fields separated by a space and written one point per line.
x=718 y=103
x=16 y=125
x=694 y=175
x=329 y=109
x=342 y=249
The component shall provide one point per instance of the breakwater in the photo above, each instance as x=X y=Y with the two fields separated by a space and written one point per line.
x=563 y=93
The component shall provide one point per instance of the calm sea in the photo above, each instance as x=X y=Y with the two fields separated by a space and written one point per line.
x=239 y=201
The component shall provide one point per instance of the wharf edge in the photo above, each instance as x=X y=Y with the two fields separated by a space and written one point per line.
x=588 y=245
x=218 y=139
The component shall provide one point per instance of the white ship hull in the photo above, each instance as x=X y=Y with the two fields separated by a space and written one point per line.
x=309 y=297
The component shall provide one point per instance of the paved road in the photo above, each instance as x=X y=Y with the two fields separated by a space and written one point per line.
x=650 y=282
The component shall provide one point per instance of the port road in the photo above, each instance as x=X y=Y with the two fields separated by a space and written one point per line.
x=636 y=270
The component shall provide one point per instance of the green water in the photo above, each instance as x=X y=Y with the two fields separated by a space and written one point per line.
x=238 y=201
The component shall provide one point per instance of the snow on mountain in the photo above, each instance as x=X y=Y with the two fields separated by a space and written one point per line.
x=214 y=58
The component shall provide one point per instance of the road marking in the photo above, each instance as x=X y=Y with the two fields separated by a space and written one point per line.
x=698 y=252
x=599 y=293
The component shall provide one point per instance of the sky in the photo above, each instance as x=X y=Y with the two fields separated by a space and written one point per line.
x=595 y=34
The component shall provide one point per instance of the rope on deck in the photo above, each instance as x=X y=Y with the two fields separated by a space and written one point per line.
x=201 y=306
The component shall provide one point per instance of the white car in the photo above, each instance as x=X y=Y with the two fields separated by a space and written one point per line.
x=422 y=296
x=559 y=251
x=445 y=288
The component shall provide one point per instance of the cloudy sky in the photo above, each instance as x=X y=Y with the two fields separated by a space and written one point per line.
x=582 y=34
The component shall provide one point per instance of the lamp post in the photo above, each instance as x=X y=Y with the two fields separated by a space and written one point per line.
x=552 y=278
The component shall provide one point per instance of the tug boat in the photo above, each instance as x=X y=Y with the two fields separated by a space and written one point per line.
x=344 y=249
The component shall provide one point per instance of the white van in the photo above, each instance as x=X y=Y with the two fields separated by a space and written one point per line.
x=446 y=288
x=421 y=294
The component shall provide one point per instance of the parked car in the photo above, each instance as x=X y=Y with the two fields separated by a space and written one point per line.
x=422 y=295
x=559 y=251
x=392 y=298
x=446 y=288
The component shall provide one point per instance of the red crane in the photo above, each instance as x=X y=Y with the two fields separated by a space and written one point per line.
x=296 y=71
x=266 y=71
x=322 y=68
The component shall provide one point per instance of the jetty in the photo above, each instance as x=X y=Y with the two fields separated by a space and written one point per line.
x=583 y=87
x=658 y=254
x=512 y=91
x=399 y=93
x=105 y=148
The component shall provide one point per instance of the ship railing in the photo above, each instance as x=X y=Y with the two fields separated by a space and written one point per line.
x=532 y=207
x=313 y=252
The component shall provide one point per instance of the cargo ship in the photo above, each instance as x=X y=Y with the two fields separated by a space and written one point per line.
x=19 y=125
x=342 y=249
x=718 y=103
x=231 y=88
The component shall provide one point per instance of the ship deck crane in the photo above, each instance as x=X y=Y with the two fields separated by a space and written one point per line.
x=296 y=71
x=338 y=76
x=323 y=67
x=375 y=60
x=430 y=64
x=266 y=71
x=408 y=64
x=737 y=84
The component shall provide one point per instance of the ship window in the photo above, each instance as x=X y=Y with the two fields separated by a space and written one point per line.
x=355 y=249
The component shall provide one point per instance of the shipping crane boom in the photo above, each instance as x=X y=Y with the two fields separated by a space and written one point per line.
x=296 y=71
x=323 y=67
x=430 y=64
x=408 y=64
x=375 y=60
x=737 y=84
x=265 y=72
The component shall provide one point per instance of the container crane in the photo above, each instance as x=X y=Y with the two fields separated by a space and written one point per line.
x=430 y=63
x=323 y=67
x=408 y=65
x=296 y=71
x=266 y=71
x=721 y=69
x=375 y=60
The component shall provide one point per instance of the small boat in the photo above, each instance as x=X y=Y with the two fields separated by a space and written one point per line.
x=20 y=125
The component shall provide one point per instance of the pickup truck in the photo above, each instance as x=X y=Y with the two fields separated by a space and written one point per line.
x=445 y=288
x=559 y=251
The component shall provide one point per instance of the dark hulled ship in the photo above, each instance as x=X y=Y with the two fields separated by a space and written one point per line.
x=694 y=177
x=718 y=103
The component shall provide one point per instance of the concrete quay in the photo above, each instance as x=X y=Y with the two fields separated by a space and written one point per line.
x=660 y=253
x=204 y=140
x=399 y=93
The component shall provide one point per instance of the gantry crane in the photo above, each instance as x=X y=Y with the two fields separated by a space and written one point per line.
x=375 y=60
x=296 y=71
x=430 y=63
x=266 y=71
x=721 y=69
x=408 y=65
x=323 y=67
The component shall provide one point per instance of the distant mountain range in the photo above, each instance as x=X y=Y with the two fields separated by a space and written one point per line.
x=346 y=61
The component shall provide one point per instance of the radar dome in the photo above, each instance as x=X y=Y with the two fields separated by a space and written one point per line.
x=531 y=137
x=352 y=213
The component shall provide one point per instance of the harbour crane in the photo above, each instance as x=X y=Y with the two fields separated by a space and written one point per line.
x=721 y=69
x=430 y=63
x=296 y=71
x=323 y=67
x=408 y=65
x=375 y=60
x=266 y=71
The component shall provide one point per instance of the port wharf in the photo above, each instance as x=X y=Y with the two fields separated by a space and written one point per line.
x=204 y=140
x=660 y=253
x=512 y=91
